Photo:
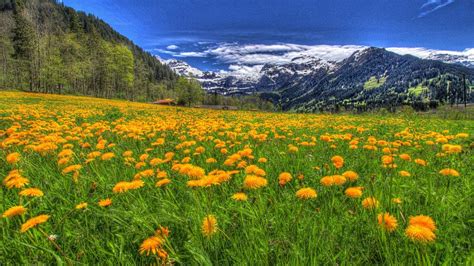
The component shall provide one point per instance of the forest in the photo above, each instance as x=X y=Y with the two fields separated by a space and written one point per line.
x=50 y=48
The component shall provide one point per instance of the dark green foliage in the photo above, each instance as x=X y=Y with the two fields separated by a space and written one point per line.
x=357 y=84
x=48 y=47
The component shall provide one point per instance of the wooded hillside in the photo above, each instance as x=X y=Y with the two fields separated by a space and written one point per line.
x=48 y=47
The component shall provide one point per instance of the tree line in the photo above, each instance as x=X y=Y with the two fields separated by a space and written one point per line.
x=50 y=48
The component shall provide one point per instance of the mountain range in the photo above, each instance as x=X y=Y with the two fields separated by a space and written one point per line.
x=369 y=76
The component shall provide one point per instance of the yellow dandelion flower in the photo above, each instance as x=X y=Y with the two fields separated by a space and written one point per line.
x=397 y=200
x=449 y=172
x=34 y=222
x=387 y=221
x=351 y=175
x=370 y=203
x=71 y=168
x=420 y=162
x=339 y=180
x=420 y=234
x=327 y=181
x=81 y=206
x=13 y=158
x=254 y=182
x=337 y=161
x=163 y=182
x=306 y=193
x=31 y=192
x=284 y=178
x=107 y=156
x=424 y=221
x=240 y=196
x=105 y=202
x=404 y=173
x=14 y=211
x=209 y=225
x=211 y=160
x=353 y=192
x=405 y=157
x=151 y=245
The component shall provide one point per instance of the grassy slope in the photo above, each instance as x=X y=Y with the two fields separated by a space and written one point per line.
x=273 y=227
x=374 y=82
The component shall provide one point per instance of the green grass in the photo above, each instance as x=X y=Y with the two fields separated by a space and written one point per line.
x=272 y=228
x=418 y=90
x=374 y=82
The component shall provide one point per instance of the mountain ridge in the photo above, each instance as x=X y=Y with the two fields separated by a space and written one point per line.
x=311 y=84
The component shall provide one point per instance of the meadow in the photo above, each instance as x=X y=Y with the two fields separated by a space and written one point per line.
x=95 y=181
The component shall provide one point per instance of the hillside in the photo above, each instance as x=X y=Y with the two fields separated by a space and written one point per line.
x=369 y=78
x=48 y=47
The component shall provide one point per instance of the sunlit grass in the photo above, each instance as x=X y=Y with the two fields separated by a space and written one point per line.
x=130 y=183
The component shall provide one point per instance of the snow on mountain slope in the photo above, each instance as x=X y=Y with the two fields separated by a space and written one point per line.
x=257 y=67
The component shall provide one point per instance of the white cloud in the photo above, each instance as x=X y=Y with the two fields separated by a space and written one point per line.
x=172 y=47
x=432 y=5
x=428 y=53
x=165 y=52
x=259 y=54
x=191 y=54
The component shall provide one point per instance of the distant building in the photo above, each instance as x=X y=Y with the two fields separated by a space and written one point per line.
x=165 y=102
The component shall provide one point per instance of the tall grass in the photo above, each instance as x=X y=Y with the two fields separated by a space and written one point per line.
x=272 y=227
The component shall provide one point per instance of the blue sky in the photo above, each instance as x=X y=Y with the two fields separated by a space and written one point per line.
x=194 y=25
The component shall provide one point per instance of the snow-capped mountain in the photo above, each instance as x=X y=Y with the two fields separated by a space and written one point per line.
x=291 y=67
x=464 y=58
x=181 y=68
x=368 y=74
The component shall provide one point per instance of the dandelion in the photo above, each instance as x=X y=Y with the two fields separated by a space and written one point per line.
x=306 y=193
x=397 y=200
x=81 y=206
x=34 y=222
x=163 y=182
x=71 y=168
x=387 y=221
x=404 y=173
x=337 y=161
x=127 y=153
x=211 y=160
x=370 y=203
x=105 y=202
x=13 y=158
x=353 y=192
x=151 y=245
x=327 y=181
x=254 y=182
x=16 y=182
x=423 y=221
x=240 y=196
x=420 y=234
x=420 y=162
x=209 y=225
x=14 y=211
x=339 y=180
x=405 y=157
x=107 y=156
x=284 y=178
x=449 y=172
x=351 y=175
x=31 y=192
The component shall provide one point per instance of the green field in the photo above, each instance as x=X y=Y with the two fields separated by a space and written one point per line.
x=96 y=182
